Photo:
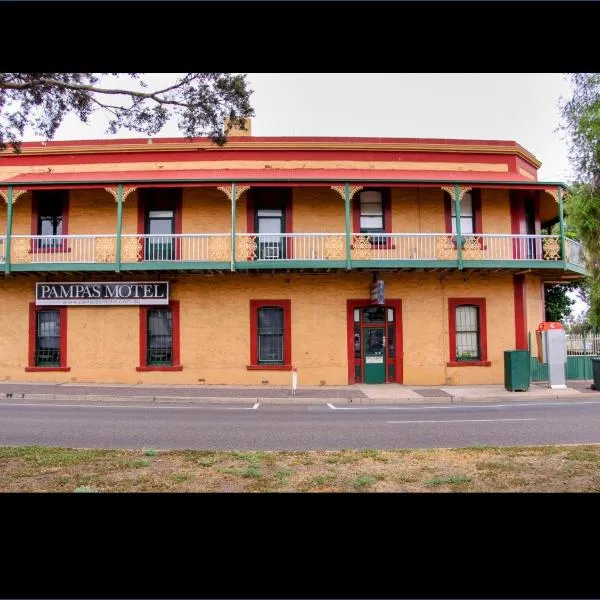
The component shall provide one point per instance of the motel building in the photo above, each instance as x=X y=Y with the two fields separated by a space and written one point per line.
x=353 y=260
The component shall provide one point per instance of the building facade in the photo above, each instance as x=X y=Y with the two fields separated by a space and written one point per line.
x=351 y=259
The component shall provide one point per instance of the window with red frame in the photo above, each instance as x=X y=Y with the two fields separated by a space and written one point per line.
x=372 y=214
x=159 y=338
x=270 y=334
x=470 y=214
x=47 y=338
x=468 y=331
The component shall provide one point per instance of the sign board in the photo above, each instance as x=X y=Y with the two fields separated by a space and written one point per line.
x=377 y=292
x=98 y=293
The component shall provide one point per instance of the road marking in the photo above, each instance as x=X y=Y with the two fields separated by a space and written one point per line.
x=218 y=406
x=457 y=405
x=464 y=421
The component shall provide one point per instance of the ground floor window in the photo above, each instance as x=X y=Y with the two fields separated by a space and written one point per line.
x=47 y=338
x=467 y=326
x=159 y=338
x=270 y=334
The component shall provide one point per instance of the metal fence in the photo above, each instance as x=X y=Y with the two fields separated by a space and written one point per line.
x=583 y=345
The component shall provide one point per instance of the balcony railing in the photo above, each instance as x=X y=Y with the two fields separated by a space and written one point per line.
x=575 y=252
x=55 y=249
x=192 y=247
x=306 y=247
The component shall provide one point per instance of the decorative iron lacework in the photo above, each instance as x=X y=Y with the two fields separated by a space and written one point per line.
x=219 y=249
x=361 y=247
x=551 y=248
x=341 y=190
x=104 y=250
x=20 y=251
x=245 y=248
x=444 y=248
x=471 y=248
x=131 y=249
x=335 y=248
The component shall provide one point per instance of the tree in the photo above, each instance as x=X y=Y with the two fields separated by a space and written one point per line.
x=204 y=104
x=581 y=115
x=558 y=304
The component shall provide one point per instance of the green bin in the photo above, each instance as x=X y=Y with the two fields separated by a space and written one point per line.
x=516 y=370
x=596 y=372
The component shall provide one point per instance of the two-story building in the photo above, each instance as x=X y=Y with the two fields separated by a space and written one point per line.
x=416 y=261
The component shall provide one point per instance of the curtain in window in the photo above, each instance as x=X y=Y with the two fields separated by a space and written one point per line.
x=270 y=335
x=47 y=347
x=467 y=333
x=467 y=218
x=160 y=337
x=371 y=212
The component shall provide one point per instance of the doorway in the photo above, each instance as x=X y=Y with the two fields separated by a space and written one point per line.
x=375 y=342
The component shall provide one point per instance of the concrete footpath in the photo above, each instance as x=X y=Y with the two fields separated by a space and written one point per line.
x=16 y=392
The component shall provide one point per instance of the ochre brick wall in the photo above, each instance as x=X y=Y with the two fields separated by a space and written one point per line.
x=495 y=211
x=317 y=210
x=103 y=341
x=535 y=307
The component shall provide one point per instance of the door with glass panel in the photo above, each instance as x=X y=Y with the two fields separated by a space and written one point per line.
x=270 y=224
x=375 y=357
x=160 y=226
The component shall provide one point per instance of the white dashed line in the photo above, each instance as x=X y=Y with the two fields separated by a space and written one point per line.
x=462 y=421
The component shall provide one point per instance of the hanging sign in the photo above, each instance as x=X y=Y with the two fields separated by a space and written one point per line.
x=377 y=293
x=94 y=293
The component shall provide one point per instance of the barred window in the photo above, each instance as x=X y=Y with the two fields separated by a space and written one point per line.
x=468 y=343
x=47 y=339
x=270 y=336
x=159 y=348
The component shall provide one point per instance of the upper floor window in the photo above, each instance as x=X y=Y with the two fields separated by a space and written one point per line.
x=371 y=212
x=467 y=215
x=49 y=219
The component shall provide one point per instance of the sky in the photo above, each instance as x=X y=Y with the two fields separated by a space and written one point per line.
x=523 y=107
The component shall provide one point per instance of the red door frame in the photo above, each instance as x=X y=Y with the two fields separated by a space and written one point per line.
x=398 y=361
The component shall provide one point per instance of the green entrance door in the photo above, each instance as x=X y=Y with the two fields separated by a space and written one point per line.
x=374 y=355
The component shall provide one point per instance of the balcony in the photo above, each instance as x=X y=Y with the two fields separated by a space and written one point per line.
x=288 y=251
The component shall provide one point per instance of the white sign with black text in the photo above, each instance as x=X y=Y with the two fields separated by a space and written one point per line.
x=98 y=293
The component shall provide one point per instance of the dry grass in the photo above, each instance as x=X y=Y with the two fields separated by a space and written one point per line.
x=474 y=469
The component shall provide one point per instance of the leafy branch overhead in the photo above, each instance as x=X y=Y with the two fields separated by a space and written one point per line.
x=203 y=104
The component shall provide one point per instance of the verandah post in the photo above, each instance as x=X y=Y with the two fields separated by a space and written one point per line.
x=233 y=201
x=458 y=231
x=9 y=217
x=347 y=219
x=119 y=226
x=562 y=227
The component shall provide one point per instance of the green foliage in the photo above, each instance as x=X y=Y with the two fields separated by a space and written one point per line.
x=204 y=104
x=149 y=452
x=581 y=116
x=558 y=304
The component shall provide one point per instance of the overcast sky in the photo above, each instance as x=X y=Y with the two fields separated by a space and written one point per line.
x=503 y=106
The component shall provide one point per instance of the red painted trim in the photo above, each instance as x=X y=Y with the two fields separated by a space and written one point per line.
x=352 y=361
x=452 y=304
x=447 y=212
x=386 y=197
x=176 y=366
x=386 y=205
x=520 y=294
x=356 y=212
x=287 y=333
x=269 y=367
x=465 y=363
x=62 y=315
x=159 y=368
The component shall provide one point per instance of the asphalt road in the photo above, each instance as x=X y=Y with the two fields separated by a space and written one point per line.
x=307 y=427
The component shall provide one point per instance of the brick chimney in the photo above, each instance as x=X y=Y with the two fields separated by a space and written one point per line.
x=235 y=131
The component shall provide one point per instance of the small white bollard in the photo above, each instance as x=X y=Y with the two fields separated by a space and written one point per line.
x=294 y=381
